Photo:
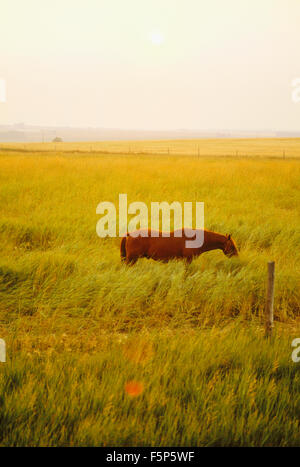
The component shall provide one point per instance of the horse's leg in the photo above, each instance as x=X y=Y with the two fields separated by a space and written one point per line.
x=131 y=260
x=187 y=262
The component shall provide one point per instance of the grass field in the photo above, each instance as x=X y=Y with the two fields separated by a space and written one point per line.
x=237 y=147
x=157 y=354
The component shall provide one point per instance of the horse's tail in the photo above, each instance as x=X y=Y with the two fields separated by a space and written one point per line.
x=123 y=248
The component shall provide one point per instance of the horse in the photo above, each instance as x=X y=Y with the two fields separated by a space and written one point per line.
x=141 y=244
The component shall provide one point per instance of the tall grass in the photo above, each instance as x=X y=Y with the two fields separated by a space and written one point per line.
x=205 y=388
x=68 y=306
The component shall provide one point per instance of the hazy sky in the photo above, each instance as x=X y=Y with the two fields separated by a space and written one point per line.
x=151 y=64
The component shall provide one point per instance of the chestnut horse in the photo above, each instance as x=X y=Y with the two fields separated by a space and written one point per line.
x=166 y=248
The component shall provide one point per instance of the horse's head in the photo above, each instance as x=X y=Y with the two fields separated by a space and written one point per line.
x=230 y=248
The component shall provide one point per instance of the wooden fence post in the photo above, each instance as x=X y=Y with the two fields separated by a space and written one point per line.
x=2 y=351
x=270 y=298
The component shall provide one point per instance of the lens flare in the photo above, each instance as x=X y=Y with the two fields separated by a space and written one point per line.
x=134 y=388
x=156 y=38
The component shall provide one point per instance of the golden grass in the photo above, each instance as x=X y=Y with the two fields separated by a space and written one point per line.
x=231 y=147
x=160 y=354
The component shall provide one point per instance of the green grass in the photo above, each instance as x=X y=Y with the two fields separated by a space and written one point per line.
x=226 y=387
x=79 y=324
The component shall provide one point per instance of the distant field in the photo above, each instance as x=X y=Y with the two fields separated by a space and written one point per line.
x=260 y=147
x=157 y=354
